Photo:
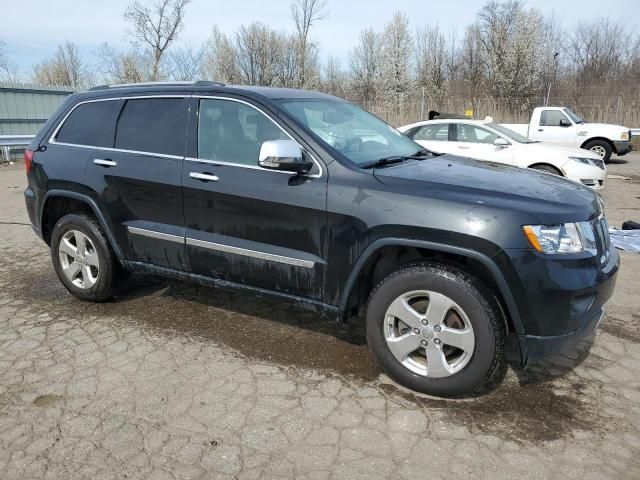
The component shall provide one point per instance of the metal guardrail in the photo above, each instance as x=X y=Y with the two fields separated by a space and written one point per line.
x=635 y=132
x=8 y=141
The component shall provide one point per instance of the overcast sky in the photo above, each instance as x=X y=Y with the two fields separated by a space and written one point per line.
x=32 y=29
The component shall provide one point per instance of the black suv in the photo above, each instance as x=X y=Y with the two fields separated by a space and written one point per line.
x=308 y=198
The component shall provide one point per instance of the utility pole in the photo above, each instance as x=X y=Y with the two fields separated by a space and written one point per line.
x=553 y=78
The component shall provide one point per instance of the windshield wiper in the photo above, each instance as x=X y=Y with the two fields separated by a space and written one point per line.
x=381 y=162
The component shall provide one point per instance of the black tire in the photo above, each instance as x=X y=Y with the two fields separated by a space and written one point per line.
x=480 y=308
x=547 y=168
x=599 y=146
x=109 y=269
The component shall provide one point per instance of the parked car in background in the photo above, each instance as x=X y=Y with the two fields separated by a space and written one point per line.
x=309 y=199
x=487 y=141
x=561 y=126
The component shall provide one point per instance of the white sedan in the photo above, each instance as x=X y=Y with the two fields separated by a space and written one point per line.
x=485 y=140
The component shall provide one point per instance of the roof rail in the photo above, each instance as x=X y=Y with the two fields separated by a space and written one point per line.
x=196 y=83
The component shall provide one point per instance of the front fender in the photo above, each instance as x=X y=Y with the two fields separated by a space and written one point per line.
x=484 y=259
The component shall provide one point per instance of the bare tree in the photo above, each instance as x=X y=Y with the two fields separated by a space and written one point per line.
x=363 y=62
x=258 y=49
x=65 y=68
x=8 y=70
x=156 y=26
x=220 y=59
x=431 y=51
x=473 y=65
x=305 y=14
x=335 y=79
x=185 y=64
x=123 y=67
x=396 y=52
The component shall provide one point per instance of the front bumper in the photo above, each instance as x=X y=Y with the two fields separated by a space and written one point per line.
x=561 y=300
x=622 y=147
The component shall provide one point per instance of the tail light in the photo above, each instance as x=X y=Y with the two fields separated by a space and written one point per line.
x=28 y=160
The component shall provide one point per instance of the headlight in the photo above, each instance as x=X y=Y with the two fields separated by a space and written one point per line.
x=589 y=161
x=624 y=136
x=565 y=238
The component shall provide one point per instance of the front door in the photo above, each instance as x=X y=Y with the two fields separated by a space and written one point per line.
x=138 y=182
x=476 y=142
x=555 y=127
x=244 y=223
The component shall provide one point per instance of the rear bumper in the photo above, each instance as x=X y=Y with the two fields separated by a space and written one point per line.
x=622 y=147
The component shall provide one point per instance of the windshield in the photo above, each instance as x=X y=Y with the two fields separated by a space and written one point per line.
x=575 y=118
x=358 y=135
x=515 y=136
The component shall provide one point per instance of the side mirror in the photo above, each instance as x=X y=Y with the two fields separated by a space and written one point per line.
x=565 y=123
x=501 y=142
x=283 y=155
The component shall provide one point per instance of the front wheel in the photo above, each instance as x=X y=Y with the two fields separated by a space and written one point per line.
x=436 y=330
x=601 y=148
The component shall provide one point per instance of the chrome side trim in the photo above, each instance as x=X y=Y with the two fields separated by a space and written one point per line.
x=154 y=234
x=250 y=253
x=220 y=163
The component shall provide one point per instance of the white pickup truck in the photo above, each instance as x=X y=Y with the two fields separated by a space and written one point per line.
x=560 y=126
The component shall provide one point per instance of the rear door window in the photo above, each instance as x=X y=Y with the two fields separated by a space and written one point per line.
x=153 y=125
x=90 y=124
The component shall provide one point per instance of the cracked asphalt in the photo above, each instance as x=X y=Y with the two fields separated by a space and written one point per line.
x=178 y=381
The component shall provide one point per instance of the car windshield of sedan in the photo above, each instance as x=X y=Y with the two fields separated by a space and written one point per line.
x=515 y=136
x=356 y=134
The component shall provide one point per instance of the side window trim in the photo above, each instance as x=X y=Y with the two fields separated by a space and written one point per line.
x=52 y=138
x=253 y=167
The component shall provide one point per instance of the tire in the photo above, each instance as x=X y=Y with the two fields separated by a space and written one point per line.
x=98 y=271
x=468 y=370
x=601 y=148
x=547 y=168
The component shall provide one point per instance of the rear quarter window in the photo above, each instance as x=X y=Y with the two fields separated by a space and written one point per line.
x=90 y=124
x=154 y=125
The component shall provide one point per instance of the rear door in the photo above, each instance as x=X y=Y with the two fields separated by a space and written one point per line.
x=137 y=181
x=244 y=223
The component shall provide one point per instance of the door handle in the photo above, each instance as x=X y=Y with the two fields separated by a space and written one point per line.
x=105 y=162
x=204 y=177
x=541 y=129
x=463 y=147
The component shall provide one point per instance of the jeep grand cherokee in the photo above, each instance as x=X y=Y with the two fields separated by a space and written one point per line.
x=308 y=198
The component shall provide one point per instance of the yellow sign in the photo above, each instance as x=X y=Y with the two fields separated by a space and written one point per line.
x=469 y=113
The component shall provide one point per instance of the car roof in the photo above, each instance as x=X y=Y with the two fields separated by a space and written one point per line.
x=200 y=87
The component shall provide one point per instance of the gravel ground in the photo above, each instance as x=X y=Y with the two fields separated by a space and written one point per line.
x=178 y=381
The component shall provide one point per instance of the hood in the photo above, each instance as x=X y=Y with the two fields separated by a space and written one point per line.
x=541 y=148
x=613 y=132
x=547 y=198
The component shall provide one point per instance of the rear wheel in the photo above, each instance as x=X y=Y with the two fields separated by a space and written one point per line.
x=601 y=148
x=83 y=259
x=435 y=329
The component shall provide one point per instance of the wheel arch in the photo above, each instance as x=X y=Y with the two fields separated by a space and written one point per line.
x=385 y=255
x=546 y=164
x=54 y=203
x=602 y=139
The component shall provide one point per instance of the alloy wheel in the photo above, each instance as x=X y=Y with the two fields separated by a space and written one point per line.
x=429 y=333
x=79 y=259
